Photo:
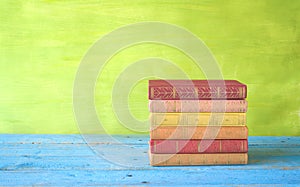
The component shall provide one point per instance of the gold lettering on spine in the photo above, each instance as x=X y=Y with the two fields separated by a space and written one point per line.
x=228 y=159
x=241 y=106
x=153 y=119
x=196 y=92
x=152 y=93
x=242 y=148
x=241 y=92
x=242 y=118
x=174 y=92
x=175 y=107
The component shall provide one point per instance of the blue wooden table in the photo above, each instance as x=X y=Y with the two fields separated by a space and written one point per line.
x=66 y=160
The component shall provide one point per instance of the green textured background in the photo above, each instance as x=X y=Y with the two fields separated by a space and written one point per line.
x=42 y=42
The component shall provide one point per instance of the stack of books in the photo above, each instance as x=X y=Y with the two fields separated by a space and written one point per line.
x=197 y=122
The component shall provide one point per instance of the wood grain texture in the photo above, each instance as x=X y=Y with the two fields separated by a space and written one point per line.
x=65 y=160
x=43 y=42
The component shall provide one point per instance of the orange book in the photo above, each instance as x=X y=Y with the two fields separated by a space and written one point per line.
x=197 y=159
x=199 y=132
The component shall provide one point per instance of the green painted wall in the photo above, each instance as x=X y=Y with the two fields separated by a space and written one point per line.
x=42 y=43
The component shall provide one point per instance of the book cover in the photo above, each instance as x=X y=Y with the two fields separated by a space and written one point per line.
x=198 y=146
x=170 y=106
x=199 y=132
x=196 y=89
x=197 y=119
x=197 y=159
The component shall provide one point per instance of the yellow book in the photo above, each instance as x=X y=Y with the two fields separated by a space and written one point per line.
x=198 y=119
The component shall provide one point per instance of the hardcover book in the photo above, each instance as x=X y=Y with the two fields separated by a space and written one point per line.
x=199 y=132
x=197 y=119
x=196 y=89
x=198 y=146
x=170 y=106
x=197 y=159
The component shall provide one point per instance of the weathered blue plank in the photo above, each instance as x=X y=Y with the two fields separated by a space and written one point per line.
x=135 y=139
x=67 y=160
x=19 y=163
x=69 y=139
x=197 y=176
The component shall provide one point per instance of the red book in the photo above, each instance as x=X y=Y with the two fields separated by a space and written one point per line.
x=170 y=106
x=196 y=89
x=198 y=146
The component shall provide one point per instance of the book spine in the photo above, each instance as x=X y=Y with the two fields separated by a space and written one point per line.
x=199 y=132
x=198 y=146
x=197 y=159
x=162 y=106
x=197 y=119
x=197 y=92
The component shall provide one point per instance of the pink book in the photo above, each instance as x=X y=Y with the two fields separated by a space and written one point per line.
x=196 y=89
x=163 y=106
x=198 y=146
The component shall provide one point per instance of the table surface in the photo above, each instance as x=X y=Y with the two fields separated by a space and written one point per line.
x=65 y=160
